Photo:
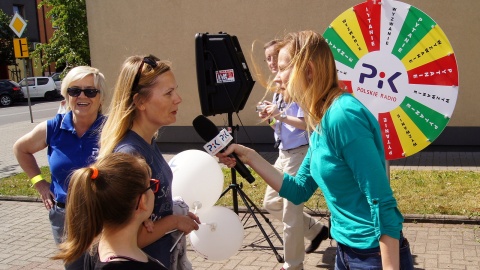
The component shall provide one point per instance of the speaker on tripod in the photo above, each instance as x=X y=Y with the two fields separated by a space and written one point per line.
x=224 y=85
x=224 y=80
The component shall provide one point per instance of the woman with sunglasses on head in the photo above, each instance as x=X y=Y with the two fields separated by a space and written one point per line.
x=346 y=160
x=145 y=99
x=72 y=142
x=108 y=201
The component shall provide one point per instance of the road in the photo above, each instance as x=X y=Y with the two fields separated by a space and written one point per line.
x=20 y=112
x=14 y=123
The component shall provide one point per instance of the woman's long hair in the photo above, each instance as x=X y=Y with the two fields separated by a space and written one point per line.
x=313 y=82
x=122 y=111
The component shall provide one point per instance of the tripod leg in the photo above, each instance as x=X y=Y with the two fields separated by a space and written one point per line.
x=252 y=204
x=234 y=196
x=249 y=204
x=225 y=191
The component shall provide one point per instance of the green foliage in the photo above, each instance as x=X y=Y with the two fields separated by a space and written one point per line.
x=69 y=44
x=6 y=40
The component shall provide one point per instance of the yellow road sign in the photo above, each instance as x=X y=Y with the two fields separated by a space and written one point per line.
x=20 y=46
x=18 y=24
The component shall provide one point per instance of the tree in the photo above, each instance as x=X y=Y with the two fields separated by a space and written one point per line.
x=6 y=40
x=69 y=44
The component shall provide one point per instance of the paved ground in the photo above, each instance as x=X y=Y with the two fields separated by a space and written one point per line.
x=26 y=241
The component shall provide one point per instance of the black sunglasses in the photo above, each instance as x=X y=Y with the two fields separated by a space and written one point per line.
x=151 y=61
x=154 y=186
x=89 y=92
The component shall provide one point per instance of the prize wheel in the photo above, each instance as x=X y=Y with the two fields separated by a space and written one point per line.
x=398 y=62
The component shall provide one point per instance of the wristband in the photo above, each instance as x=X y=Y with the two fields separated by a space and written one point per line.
x=272 y=122
x=36 y=179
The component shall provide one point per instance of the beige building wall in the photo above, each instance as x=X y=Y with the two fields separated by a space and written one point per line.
x=166 y=28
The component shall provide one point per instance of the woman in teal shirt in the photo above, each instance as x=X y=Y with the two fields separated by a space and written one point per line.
x=345 y=159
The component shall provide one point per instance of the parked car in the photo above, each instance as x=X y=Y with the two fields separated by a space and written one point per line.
x=58 y=81
x=40 y=87
x=10 y=92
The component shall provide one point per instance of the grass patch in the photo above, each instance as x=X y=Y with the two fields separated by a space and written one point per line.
x=437 y=192
x=19 y=184
x=417 y=192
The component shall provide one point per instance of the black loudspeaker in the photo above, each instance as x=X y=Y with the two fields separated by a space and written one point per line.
x=224 y=80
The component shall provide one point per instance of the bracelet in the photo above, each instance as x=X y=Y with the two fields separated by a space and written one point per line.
x=272 y=122
x=36 y=179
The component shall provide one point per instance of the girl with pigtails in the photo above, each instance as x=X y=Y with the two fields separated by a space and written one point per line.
x=106 y=205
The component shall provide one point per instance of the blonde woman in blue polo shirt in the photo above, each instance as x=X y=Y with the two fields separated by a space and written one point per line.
x=345 y=159
x=71 y=140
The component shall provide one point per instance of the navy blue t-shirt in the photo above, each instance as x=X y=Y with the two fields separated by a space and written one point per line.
x=133 y=144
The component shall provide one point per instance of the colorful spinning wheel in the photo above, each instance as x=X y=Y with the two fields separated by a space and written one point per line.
x=398 y=62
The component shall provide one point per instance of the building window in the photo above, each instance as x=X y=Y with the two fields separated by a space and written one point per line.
x=19 y=9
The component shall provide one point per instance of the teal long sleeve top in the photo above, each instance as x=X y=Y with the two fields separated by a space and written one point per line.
x=346 y=160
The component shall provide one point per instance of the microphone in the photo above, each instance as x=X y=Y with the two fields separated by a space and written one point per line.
x=209 y=132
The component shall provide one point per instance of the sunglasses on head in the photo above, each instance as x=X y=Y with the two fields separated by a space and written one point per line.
x=89 y=92
x=151 y=61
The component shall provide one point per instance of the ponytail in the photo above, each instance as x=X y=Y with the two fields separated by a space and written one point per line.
x=102 y=195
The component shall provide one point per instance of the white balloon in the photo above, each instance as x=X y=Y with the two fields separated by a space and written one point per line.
x=197 y=178
x=220 y=235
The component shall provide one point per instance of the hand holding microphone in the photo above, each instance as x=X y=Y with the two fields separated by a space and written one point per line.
x=226 y=157
x=217 y=142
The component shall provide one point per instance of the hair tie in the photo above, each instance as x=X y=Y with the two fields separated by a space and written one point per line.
x=94 y=173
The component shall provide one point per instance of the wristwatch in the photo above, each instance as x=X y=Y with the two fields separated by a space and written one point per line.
x=283 y=115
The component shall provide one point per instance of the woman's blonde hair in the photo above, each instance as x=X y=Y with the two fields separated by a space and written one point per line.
x=138 y=74
x=101 y=196
x=80 y=72
x=313 y=82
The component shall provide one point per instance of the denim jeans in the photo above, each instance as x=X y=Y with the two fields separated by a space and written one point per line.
x=348 y=258
x=57 y=221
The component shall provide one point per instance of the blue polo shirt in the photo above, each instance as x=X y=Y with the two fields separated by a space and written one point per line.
x=290 y=136
x=67 y=152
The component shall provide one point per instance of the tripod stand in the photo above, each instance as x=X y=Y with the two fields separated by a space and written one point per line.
x=250 y=205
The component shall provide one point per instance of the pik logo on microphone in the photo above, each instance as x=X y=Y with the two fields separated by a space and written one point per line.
x=218 y=143
x=373 y=74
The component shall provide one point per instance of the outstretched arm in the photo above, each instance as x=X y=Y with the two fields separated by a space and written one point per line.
x=262 y=167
